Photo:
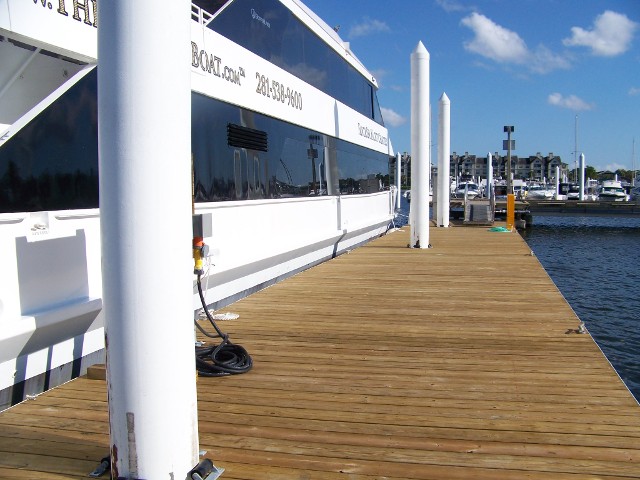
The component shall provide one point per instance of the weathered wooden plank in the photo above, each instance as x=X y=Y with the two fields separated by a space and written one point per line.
x=427 y=444
x=47 y=465
x=398 y=457
x=23 y=474
x=315 y=466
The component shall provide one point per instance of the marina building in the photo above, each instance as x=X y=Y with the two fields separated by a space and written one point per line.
x=533 y=167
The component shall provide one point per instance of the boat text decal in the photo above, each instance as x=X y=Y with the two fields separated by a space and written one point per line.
x=90 y=13
x=366 y=132
x=278 y=91
x=213 y=64
x=258 y=18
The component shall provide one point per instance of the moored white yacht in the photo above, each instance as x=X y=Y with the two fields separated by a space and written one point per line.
x=540 y=192
x=287 y=164
x=612 y=190
x=467 y=189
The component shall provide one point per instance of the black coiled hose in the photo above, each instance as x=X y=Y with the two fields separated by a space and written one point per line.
x=223 y=359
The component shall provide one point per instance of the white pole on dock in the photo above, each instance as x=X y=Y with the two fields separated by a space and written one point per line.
x=398 y=179
x=633 y=162
x=444 y=168
x=420 y=159
x=146 y=233
x=557 y=182
x=489 y=176
x=582 y=176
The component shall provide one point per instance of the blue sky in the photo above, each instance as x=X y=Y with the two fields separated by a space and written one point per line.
x=534 y=64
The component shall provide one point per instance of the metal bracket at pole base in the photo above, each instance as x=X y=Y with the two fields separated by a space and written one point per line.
x=205 y=470
x=104 y=467
x=417 y=245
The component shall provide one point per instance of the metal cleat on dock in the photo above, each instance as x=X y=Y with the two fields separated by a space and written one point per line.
x=205 y=470
x=104 y=467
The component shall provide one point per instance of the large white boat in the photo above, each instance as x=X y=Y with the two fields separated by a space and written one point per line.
x=289 y=150
x=612 y=190
x=539 y=191
x=468 y=189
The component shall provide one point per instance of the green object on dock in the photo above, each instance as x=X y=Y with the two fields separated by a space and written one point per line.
x=499 y=229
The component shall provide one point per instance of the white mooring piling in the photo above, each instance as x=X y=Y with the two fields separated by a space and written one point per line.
x=489 y=176
x=582 y=167
x=444 y=168
x=420 y=151
x=144 y=111
x=398 y=179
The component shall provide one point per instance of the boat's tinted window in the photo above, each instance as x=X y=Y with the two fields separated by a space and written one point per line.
x=298 y=162
x=271 y=31
x=52 y=163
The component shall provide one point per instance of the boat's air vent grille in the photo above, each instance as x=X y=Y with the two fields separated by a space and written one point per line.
x=243 y=137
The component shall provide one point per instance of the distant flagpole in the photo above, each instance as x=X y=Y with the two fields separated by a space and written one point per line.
x=633 y=162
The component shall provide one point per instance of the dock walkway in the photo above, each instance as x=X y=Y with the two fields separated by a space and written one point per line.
x=458 y=362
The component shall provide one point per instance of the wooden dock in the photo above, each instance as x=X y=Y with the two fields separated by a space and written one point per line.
x=462 y=361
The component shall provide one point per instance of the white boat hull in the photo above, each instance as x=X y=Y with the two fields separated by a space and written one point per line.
x=51 y=323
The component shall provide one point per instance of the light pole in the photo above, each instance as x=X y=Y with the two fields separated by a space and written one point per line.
x=508 y=145
x=511 y=201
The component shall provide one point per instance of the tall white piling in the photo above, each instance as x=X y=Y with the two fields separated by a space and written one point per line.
x=398 y=179
x=146 y=233
x=444 y=168
x=582 y=167
x=420 y=151
x=489 y=176
x=557 y=183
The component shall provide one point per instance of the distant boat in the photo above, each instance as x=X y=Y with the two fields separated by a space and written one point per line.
x=573 y=193
x=470 y=189
x=540 y=192
x=612 y=190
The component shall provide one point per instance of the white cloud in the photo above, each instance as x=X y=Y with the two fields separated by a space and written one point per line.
x=453 y=6
x=610 y=35
x=612 y=167
x=392 y=118
x=543 y=60
x=504 y=46
x=368 y=27
x=493 y=41
x=634 y=91
x=572 y=102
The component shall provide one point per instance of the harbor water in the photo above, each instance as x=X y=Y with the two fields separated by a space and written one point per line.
x=595 y=263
